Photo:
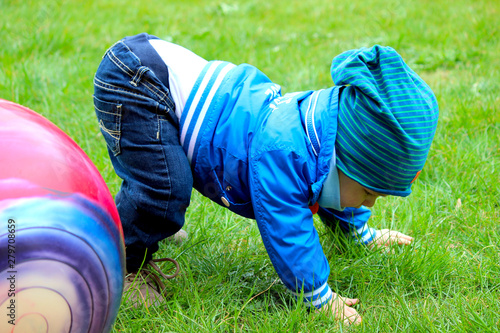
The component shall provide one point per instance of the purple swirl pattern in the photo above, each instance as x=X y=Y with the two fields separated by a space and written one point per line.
x=68 y=268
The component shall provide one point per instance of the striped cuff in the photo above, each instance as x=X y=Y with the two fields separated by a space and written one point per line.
x=316 y=298
x=364 y=235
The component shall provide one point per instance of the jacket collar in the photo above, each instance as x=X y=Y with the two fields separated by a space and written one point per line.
x=319 y=111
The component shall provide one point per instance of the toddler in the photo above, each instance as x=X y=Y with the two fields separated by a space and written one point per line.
x=173 y=121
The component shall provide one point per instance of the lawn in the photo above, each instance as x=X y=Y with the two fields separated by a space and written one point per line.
x=447 y=281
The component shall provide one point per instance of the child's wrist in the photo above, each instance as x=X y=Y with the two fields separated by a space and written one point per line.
x=364 y=235
x=316 y=298
x=369 y=236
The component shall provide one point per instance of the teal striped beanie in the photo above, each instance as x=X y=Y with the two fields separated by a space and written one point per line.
x=386 y=122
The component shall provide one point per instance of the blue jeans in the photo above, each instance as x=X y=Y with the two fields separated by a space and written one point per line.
x=136 y=115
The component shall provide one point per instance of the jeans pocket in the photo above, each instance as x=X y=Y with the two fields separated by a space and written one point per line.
x=109 y=116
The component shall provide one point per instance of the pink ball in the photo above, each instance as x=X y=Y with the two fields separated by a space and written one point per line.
x=36 y=150
x=63 y=255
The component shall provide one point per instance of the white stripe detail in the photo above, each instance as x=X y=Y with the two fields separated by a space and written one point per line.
x=372 y=232
x=313 y=122
x=204 y=110
x=307 y=126
x=197 y=97
x=362 y=229
x=364 y=234
x=323 y=299
x=312 y=293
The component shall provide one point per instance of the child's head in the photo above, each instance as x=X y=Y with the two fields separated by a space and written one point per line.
x=387 y=120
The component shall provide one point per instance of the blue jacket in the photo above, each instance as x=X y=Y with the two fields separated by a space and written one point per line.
x=266 y=156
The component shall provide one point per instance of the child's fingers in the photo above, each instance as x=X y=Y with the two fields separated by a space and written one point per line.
x=401 y=238
x=386 y=237
x=350 y=301
x=405 y=237
x=404 y=241
x=339 y=307
x=351 y=316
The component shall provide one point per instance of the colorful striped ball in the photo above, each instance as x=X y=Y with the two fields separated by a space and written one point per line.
x=61 y=243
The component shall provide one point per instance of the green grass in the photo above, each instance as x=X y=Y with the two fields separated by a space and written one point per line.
x=448 y=281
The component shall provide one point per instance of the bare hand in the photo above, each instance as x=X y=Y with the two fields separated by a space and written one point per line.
x=387 y=237
x=340 y=308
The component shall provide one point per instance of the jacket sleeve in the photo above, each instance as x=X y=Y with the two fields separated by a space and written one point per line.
x=280 y=194
x=354 y=222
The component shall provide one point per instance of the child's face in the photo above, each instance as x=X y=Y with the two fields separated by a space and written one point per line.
x=353 y=194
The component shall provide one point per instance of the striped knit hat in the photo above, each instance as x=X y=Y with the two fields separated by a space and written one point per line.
x=387 y=119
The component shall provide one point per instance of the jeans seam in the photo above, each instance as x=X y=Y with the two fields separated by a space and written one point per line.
x=165 y=167
x=111 y=113
x=151 y=87
x=114 y=134
x=138 y=75
x=111 y=87
x=132 y=74
x=120 y=64
x=145 y=82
